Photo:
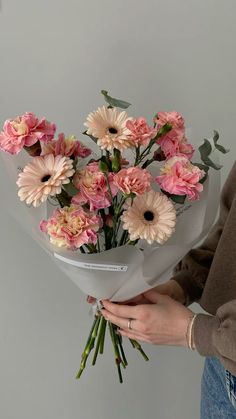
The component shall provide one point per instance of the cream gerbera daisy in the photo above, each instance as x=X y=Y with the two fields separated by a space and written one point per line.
x=44 y=177
x=108 y=125
x=151 y=217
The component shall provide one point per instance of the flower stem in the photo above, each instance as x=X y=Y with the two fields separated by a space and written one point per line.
x=137 y=346
x=103 y=333
x=116 y=351
x=89 y=345
x=119 y=338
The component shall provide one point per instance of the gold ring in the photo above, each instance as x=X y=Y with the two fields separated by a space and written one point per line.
x=129 y=324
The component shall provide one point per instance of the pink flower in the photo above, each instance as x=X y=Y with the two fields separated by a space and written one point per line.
x=133 y=180
x=25 y=130
x=180 y=177
x=174 y=118
x=93 y=187
x=141 y=133
x=174 y=143
x=71 y=227
x=66 y=146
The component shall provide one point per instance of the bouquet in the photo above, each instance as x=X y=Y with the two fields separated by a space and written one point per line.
x=118 y=220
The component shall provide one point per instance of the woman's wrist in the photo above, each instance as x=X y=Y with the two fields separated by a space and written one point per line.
x=189 y=333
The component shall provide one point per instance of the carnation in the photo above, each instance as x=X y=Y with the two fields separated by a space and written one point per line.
x=72 y=227
x=174 y=143
x=66 y=146
x=141 y=133
x=180 y=177
x=133 y=180
x=93 y=188
x=25 y=131
x=173 y=118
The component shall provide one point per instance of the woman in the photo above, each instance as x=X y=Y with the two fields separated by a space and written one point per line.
x=206 y=275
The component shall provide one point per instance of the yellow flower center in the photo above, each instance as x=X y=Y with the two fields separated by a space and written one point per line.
x=20 y=127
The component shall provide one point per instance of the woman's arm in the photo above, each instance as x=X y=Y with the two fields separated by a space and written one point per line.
x=216 y=335
x=192 y=271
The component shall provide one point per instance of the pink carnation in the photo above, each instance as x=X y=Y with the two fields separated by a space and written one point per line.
x=23 y=131
x=71 y=227
x=133 y=180
x=180 y=177
x=93 y=188
x=174 y=118
x=141 y=133
x=174 y=143
x=66 y=146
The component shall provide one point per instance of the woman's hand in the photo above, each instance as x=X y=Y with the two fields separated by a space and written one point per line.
x=161 y=321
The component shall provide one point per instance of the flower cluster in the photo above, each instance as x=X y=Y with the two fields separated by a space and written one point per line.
x=109 y=196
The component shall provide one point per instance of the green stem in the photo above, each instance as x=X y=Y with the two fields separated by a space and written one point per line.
x=98 y=341
x=103 y=332
x=89 y=345
x=116 y=352
x=137 y=346
x=119 y=338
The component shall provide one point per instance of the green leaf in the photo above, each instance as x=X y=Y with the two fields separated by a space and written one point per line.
x=103 y=164
x=90 y=136
x=210 y=163
x=201 y=166
x=216 y=136
x=205 y=149
x=70 y=189
x=221 y=148
x=118 y=103
x=218 y=146
x=178 y=199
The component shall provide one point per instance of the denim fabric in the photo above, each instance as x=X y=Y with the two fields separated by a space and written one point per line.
x=218 y=399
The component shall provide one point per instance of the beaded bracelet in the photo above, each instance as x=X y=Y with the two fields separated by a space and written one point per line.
x=189 y=333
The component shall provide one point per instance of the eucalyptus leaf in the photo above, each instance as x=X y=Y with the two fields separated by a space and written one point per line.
x=201 y=166
x=205 y=149
x=178 y=199
x=219 y=147
x=216 y=136
x=70 y=189
x=203 y=180
x=118 y=103
x=90 y=136
x=210 y=163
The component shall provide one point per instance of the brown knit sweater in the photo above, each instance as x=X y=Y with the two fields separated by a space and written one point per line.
x=208 y=275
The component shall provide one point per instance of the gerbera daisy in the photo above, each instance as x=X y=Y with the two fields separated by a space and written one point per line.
x=108 y=125
x=44 y=177
x=151 y=217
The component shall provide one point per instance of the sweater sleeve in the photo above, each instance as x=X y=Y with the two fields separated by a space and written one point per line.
x=216 y=335
x=192 y=271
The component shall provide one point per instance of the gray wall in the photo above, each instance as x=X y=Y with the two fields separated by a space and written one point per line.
x=55 y=57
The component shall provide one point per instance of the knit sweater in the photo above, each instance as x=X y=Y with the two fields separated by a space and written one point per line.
x=207 y=275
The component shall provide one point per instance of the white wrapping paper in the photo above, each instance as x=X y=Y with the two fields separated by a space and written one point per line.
x=124 y=272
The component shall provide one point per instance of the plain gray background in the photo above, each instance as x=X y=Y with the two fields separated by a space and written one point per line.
x=55 y=57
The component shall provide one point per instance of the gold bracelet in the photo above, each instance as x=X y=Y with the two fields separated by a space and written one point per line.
x=189 y=333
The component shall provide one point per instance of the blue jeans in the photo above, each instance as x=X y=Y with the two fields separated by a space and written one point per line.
x=218 y=399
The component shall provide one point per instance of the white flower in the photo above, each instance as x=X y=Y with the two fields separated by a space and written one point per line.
x=108 y=125
x=43 y=177
x=151 y=217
